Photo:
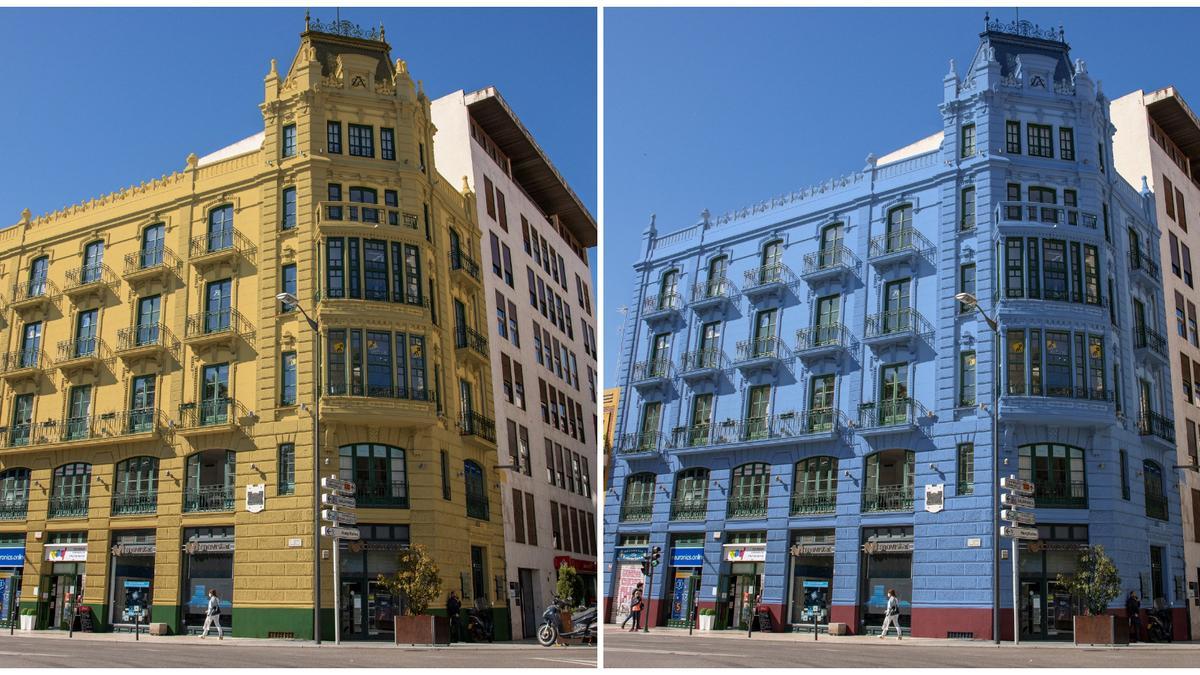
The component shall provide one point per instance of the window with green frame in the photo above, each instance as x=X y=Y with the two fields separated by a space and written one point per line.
x=747 y=538
x=748 y=490
x=476 y=490
x=815 y=488
x=379 y=472
x=1057 y=472
x=691 y=495
x=70 y=490
x=965 y=465
x=966 y=378
x=14 y=494
x=135 y=486
x=634 y=540
x=638 y=501
x=286 y=465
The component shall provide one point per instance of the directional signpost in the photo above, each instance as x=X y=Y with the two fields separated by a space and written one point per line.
x=1021 y=527
x=341 y=503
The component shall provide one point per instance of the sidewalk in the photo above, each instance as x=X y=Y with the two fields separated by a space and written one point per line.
x=874 y=639
x=258 y=642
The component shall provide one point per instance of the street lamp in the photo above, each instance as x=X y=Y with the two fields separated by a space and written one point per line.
x=969 y=301
x=291 y=300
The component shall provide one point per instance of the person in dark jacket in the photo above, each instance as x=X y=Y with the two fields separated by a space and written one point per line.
x=1133 y=609
x=635 y=608
x=453 y=606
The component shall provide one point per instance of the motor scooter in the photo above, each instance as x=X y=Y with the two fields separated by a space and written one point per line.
x=551 y=629
x=479 y=626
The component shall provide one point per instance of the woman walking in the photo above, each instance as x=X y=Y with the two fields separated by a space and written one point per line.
x=635 y=608
x=213 y=615
x=891 y=615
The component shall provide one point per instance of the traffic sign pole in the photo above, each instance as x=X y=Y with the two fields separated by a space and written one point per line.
x=341 y=495
x=1021 y=527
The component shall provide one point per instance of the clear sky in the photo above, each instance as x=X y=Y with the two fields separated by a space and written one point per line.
x=98 y=99
x=718 y=109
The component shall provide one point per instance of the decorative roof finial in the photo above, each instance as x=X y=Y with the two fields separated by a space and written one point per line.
x=26 y=214
x=306 y=19
x=192 y=160
x=705 y=216
x=986 y=18
x=382 y=34
x=466 y=185
x=272 y=71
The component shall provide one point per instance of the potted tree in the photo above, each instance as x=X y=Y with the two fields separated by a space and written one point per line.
x=1095 y=583
x=708 y=616
x=28 y=618
x=569 y=589
x=417 y=581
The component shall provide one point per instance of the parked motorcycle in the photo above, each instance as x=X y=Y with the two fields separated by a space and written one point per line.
x=479 y=626
x=551 y=628
x=1158 y=626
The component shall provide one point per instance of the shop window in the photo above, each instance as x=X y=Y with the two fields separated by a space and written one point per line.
x=208 y=566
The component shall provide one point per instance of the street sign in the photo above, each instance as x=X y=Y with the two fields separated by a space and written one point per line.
x=1024 y=533
x=1018 y=486
x=337 y=500
x=1022 y=517
x=341 y=487
x=340 y=532
x=1019 y=501
x=339 y=517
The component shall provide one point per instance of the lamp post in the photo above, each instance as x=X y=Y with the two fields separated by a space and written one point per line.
x=290 y=299
x=970 y=301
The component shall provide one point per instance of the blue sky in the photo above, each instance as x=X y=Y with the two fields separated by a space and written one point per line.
x=98 y=99
x=719 y=108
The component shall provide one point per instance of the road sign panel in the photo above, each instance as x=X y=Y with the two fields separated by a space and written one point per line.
x=343 y=487
x=1025 y=533
x=1020 y=501
x=340 y=532
x=338 y=500
x=1022 y=487
x=339 y=517
x=1022 y=517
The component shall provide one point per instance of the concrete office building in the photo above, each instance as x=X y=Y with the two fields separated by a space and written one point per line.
x=807 y=412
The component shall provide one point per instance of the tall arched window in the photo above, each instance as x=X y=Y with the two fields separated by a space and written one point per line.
x=220 y=229
x=1156 y=496
x=717 y=284
x=477 y=499
x=771 y=270
x=153 y=238
x=93 y=261
x=380 y=473
x=39 y=269
x=209 y=480
x=638 y=503
x=748 y=490
x=889 y=483
x=668 y=289
x=831 y=245
x=899 y=228
x=69 y=491
x=691 y=495
x=1057 y=472
x=135 y=486
x=14 y=493
x=815 y=487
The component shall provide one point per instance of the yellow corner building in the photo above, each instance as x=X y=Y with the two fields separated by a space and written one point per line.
x=157 y=411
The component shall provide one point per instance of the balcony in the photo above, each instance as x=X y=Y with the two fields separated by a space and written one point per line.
x=905 y=245
x=636 y=511
x=216 y=328
x=363 y=218
x=661 y=308
x=830 y=341
x=81 y=354
x=702 y=364
x=471 y=343
x=153 y=341
x=90 y=430
x=713 y=294
x=1156 y=506
x=768 y=353
x=641 y=443
x=905 y=327
x=382 y=494
x=89 y=281
x=1060 y=495
x=813 y=503
x=689 y=509
x=27 y=364
x=378 y=405
x=208 y=498
x=30 y=296
x=652 y=375
x=1037 y=214
x=14 y=510
x=1157 y=426
x=464 y=266
x=475 y=424
x=787 y=428
x=211 y=417
x=835 y=262
x=17 y=436
x=68 y=506
x=769 y=281
x=887 y=498
x=152 y=264
x=1151 y=343
x=219 y=247
x=134 y=503
x=890 y=415
x=1069 y=406
x=754 y=506
x=1142 y=266
x=477 y=507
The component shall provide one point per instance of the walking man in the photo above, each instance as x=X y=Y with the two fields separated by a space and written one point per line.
x=891 y=615
x=213 y=615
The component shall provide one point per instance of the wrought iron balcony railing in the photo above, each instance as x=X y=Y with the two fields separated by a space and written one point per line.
x=638 y=442
x=703 y=359
x=813 y=503
x=716 y=289
x=469 y=338
x=383 y=494
x=902 y=240
x=750 y=506
x=636 y=510
x=476 y=424
x=1152 y=423
x=887 y=498
x=1139 y=261
x=890 y=413
x=33 y=289
x=216 y=323
x=221 y=241
x=153 y=258
x=1148 y=338
x=15 y=510
x=762 y=348
x=477 y=506
x=653 y=369
x=68 y=506
x=1037 y=213
x=17 y=435
x=343 y=388
x=81 y=348
x=134 y=502
x=768 y=276
x=1060 y=494
x=689 y=509
x=1081 y=393
x=145 y=336
x=23 y=359
x=830 y=259
x=897 y=323
x=208 y=498
x=210 y=413
x=660 y=304
x=833 y=335
x=97 y=273
x=460 y=261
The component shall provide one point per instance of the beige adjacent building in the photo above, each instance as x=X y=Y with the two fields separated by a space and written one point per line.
x=1158 y=141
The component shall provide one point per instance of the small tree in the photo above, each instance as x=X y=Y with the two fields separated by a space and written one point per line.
x=570 y=586
x=416 y=579
x=1095 y=581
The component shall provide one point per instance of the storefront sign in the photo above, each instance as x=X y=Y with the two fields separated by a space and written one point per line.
x=12 y=556
x=256 y=497
x=66 y=552
x=687 y=556
x=195 y=547
x=798 y=550
x=1038 y=546
x=358 y=546
x=935 y=497
x=741 y=553
x=875 y=547
x=584 y=566
x=632 y=553
x=119 y=550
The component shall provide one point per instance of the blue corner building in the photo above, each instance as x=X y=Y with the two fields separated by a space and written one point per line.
x=808 y=411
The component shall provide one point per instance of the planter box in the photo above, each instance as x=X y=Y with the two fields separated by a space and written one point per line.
x=707 y=621
x=27 y=621
x=1103 y=629
x=838 y=628
x=422 y=630
x=568 y=622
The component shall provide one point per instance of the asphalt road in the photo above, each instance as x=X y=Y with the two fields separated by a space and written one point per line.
x=654 y=650
x=34 y=652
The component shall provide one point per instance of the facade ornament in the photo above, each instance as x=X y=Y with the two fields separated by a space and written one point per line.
x=192 y=161
x=272 y=72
